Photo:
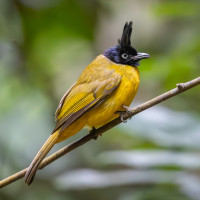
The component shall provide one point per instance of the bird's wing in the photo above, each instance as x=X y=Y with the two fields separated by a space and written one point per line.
x=82 y=98
x=62 y=101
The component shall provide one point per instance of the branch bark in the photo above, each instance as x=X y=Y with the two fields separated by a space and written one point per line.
x=181 y=87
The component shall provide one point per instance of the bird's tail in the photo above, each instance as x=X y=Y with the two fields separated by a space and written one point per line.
x=30 y=173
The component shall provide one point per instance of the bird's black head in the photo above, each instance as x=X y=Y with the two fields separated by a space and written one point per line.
x=124 y=53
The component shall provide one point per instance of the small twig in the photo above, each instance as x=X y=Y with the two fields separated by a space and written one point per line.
x=181 y=87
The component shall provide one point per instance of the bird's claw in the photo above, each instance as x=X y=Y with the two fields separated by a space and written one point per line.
x=121 y=116
x=128 y=110
x=121 y=113
x=93 y=131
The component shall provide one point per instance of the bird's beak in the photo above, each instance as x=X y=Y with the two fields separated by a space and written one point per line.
x=140 y=56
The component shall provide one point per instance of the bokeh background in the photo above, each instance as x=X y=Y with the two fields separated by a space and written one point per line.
x=44 y=46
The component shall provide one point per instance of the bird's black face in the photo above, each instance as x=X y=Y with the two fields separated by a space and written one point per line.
x=124 y=53
x=125 y=56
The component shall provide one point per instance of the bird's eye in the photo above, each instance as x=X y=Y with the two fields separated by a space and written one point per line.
x=124 y=56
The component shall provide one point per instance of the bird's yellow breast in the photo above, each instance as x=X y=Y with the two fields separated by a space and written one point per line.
x=123 y=95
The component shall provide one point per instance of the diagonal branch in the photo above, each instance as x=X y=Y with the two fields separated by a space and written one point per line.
x=95 y=133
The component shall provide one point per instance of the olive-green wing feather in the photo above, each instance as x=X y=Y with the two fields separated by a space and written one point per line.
x=82 y=98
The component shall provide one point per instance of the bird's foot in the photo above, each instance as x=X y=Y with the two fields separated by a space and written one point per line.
x=128 y=110
x=121 y=113
x=121 y=116
x=93 y=131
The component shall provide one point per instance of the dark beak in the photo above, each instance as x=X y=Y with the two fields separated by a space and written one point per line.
x=140 y=56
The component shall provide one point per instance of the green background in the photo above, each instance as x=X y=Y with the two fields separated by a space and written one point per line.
x=44 y=46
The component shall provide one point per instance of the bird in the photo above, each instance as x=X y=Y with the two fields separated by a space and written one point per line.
x=104 y=90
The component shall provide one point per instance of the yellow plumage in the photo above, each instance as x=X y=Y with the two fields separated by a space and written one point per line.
x=104 y=87
x=101 y=74
x=99 y=77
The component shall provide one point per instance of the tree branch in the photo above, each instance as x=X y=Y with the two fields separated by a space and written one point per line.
x=95 y=133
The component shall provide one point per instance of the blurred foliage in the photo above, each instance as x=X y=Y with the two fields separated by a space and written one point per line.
x=44 y=46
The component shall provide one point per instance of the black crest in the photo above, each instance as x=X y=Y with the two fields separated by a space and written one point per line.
x=124 y=53
x=125 y=41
